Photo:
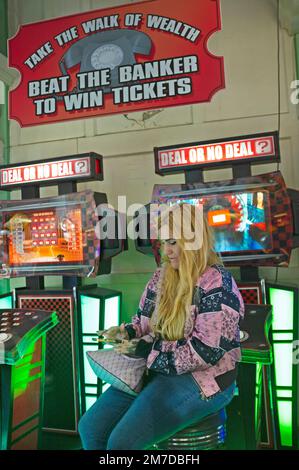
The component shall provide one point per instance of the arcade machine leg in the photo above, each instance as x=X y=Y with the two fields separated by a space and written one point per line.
x=21 y=399
x=251 y=414
x=285 y=377
x=244 y=412
x=61 y=405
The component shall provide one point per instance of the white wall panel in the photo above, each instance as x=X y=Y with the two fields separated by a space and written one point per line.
x=54 y=131
x=25 y=153
x=154 y=118
x=248 y=42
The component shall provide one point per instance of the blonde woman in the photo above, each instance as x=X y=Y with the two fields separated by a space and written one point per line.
x=187 y=322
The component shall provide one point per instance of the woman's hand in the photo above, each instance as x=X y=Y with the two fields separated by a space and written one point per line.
x=115 y=333
x=126 y=346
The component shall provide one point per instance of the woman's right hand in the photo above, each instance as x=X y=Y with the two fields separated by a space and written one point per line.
x=115 y=333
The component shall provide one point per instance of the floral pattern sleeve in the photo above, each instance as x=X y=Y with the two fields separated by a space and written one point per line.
x=140 y=324
x=214 y=333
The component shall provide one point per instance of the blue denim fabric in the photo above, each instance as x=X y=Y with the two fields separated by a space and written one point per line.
x=167 y=404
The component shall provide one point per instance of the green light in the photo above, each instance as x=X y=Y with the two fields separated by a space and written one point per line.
x=285 y=422
x=100 y=309
x=112 y=311
x=89 y=401
x=91 y=390
x=283 y=336
x=284 y=393
x=283 y=353
x=6 y=302
x=89 y=375
x=21 y=374
x=105 y=387
x=283 y=308
x=258 y=379
x=90 y=308
x=89 y=338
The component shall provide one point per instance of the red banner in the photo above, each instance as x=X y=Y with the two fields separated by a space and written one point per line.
x=129 y=58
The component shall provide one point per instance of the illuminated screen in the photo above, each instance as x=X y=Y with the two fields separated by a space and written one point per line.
x=240 y=221
x=50 y=236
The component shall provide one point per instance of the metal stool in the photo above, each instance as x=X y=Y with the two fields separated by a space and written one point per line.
x=208 y=433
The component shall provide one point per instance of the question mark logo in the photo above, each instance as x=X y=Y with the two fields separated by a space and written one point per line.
x=263 y=146
x=81 y=166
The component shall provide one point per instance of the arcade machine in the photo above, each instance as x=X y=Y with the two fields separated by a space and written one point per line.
x=22 y=375
x=70 y=236
x=255 y=223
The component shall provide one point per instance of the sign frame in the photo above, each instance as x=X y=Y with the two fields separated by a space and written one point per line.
x=95 y=171
x=208 y=165
x=115 y=60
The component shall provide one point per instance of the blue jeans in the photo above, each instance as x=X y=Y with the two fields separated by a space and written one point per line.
x=167 y=404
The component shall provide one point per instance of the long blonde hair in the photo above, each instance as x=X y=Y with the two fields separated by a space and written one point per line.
x=176 y=290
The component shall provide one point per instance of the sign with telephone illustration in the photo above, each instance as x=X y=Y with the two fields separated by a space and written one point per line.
x=106 y=50
x=115 y=60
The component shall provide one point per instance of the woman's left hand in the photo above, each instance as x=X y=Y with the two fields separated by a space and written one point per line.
x=126 y=347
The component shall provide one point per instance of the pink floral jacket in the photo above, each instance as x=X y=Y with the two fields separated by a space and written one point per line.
x=210 y=347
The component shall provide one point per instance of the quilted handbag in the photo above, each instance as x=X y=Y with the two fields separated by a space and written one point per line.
x=123 y=371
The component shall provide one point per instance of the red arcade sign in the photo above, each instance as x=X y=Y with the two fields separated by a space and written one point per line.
x=258 y=148
x=83 y=167
x=133 y=57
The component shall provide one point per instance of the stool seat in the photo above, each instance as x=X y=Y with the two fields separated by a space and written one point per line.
x=208 y=433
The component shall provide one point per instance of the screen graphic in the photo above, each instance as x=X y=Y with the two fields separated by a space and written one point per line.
x=251 y=217
x=50 y=236
x=240 y=221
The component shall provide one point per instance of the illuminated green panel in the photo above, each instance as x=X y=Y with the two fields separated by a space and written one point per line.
x=283 y=308
x=89 y=338
x=257 y=405
x=112 y=311
x=284 y=393
x=105 y=387
x=89 y=375
x=21 y=374
x=89 y=401
x=6 y=302
x=282 y=336
x=91 y=390
x=90 y=308
x=285 y=422
x=283 y=355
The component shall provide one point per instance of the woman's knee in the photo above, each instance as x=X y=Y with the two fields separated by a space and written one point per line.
x=119 y=440
x=92 y=437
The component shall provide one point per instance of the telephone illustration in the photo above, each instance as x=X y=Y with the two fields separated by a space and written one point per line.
x=106 y=50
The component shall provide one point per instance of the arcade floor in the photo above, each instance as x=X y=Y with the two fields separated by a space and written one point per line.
x=53 y=441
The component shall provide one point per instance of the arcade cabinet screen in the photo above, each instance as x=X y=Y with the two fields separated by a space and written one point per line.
x=240 y=221
x=50 y=236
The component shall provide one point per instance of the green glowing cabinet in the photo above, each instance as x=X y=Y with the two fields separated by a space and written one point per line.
x=285 y=333
x=22 y=376
x=98 y=309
